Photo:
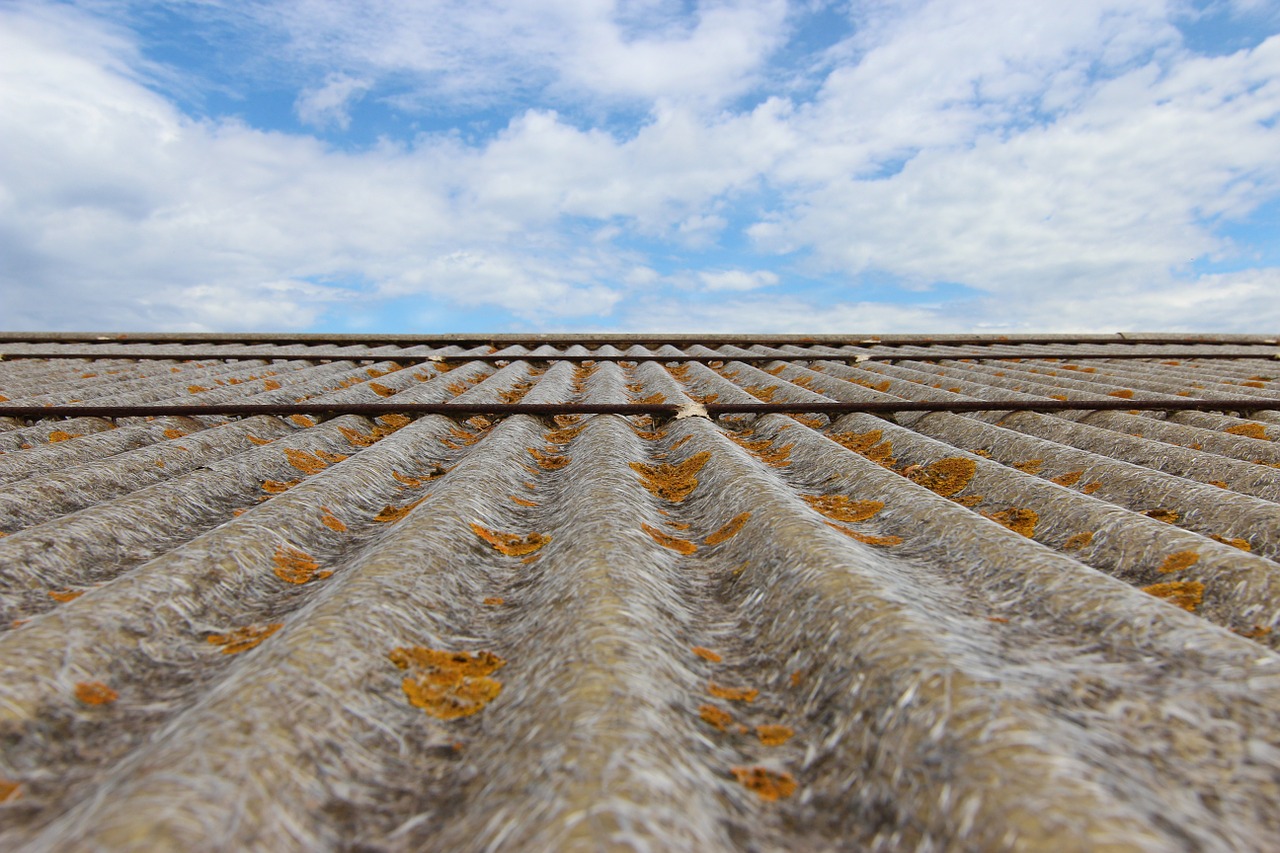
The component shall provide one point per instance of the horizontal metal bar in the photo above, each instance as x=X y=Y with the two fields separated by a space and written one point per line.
x=510 y=339
x=91 y=355
x=666 y=409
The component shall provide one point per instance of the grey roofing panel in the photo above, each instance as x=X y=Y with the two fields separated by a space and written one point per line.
x=984 y=630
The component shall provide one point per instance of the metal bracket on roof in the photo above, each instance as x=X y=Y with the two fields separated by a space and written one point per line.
x=692 y=409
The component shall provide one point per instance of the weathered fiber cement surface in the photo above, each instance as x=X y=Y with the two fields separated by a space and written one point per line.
x=934 y=631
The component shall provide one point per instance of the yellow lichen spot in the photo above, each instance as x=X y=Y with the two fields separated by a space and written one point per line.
x=717 y=717
x=1068 y=479
x=411 y=482
x=59 y=435
x=672 y=481
x=245 y=638
x=95 y=693
x=391 y=513
x=259 y=441
x=652 y=399
x=857 y=442
x=732 y=694
x=511 y=544
x=516 y=499
x=1168 y=516
x=704 y=399
x=1092 y=487
x=1184 y=594
x=1018 y=519
x=778 y=457
x=564 y=435
x=548 y=461
x=774 y=735
x=1219 y=483
x=307 y=463
x=841 y=508
x=968 y=500
x=196 y=389
x=275 y=487
x=666 y=540
x=763 y=394
x=295 y=566
x=174 y=433
x=883 y=541
x=947 y=476
x=302 y=421
x=331 y=458
x=770 y=785
x=393 y=422
x=706 y=654
x=566 y=420
x=1179 y=561
x=381 y=390
x=270 y=385
x=1242 y=544
x=330 y=521
x=1249 y=430
x=796 y=678
x=64 y=595
x=448 y=685
x=494 y=601
x=1030 y=466
x=1078 y=540
x=9 y=790
x=1124 y=394
x=730 y=529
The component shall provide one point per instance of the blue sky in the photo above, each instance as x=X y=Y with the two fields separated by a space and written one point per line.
x=765 y=166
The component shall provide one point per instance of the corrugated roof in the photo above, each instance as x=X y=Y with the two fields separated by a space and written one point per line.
x=500 y=592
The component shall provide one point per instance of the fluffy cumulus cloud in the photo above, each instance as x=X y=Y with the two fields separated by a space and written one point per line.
x=641 y=164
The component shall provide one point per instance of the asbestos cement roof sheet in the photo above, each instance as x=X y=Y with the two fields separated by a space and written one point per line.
x=555 y=593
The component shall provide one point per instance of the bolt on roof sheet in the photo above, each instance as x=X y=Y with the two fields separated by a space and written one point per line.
x=666 y=593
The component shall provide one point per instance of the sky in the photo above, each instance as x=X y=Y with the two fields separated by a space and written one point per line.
x=765 y=166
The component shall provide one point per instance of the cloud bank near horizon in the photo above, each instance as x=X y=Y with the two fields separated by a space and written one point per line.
x=885 y=166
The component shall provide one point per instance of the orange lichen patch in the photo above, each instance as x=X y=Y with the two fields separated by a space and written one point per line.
x=331 y=458
x=1257 y=632
x=678 y=525
x=1179 y=561
x=841 y=508
x=1242 y=544
x=446 y=684
x=811 y=421
x=381 y=390
x=516 y=499
x=1068 y=479
x=411 y=482
x=270 y=385
x=774 y=735
x=768 y=784
x=1000 y=619
x=796 y=678
x=196 y=389
x=95 y=693
x=307 y=463
x=564 y=435
x=295 y=566
x=1124 y=394
x=763 y=394
x=459 y=438
x=1249 y=430
x=652 y=399
x=243 y=639
x=706 y=654
x=566 y=420
x=3 y=399
x=864 y=538
x=672 y=481
x=1219 y=483
x=494 y=601
x=516 y=392
x=947 y=476
x=717 y=717
x=1184 y=594
x=175 y=433
x=548 y=461
x=302 y=421
x=9 y=790
x=732 y=694
x=778 y=457
x=275 y=487
x=259 y=441
x=1252 y=384
x=857 y=442
x=511 y=544
x=393 y=422
x=666 y=540
x=731 y=528
x=375 y=373
x=1168 y=516
x=391 y=513
x=329 y=520
x=1017 y=519
x=1031 y=466
x=1078 y=540
x=1092 y=487
x=59 y=435
x=968 y=500
x=456 y=388
x=65 y=595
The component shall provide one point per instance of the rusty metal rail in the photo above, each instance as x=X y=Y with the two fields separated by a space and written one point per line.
x=661 y=409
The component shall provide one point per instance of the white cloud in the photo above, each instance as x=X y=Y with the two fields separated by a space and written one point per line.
x=737 y=280
x=330 y=104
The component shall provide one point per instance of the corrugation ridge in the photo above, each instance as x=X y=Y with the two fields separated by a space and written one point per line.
x=175 y=386
x=212 y=584
x=1232 y=445
x=101 y=440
